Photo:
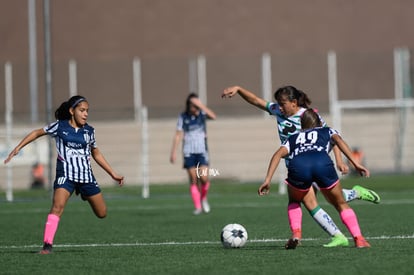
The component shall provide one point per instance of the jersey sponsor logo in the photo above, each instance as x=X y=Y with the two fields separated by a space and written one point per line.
x=74 y=144
x=74 y=153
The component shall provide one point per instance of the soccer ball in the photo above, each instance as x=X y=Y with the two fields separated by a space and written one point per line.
x=233 y=235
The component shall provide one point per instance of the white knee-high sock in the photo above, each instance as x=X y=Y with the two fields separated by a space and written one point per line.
x=325 y=221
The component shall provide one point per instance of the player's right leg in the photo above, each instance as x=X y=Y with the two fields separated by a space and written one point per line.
x=195 y=191
x=60 y=197
x=348 y=216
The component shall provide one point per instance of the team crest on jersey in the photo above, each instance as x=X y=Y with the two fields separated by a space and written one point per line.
x=288 y=128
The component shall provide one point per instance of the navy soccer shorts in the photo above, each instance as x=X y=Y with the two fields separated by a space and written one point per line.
x=195 y=160
x=310 y=167
x=85 y=189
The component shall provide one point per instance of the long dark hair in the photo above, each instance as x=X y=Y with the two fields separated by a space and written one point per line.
x=188 y=102
x=291 y=93
x=62 y=113
x=310 y=119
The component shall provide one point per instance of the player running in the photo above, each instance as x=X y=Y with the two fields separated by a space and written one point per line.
x=75 y=144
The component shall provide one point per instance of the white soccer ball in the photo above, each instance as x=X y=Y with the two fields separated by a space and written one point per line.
x=233 y=235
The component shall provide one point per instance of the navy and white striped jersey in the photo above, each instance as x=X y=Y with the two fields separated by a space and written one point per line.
x=311 y=140
x=195 y=134
x=74 y=150
x=287 y=126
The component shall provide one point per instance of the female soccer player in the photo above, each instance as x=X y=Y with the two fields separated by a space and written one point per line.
x=75 y=143
x=309 y=161
x=291 y=103
x=191 y=128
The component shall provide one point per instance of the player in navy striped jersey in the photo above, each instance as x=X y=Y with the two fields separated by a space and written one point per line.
x=291 y=103
x=309 y=162
x=75 y=144
x=191 y=129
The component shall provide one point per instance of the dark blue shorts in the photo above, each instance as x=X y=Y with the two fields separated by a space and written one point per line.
x=85 y=189
x=310 y=167
x=195 y=160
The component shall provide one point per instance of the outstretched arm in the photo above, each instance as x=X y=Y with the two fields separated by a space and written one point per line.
x=26 y=140
x=99 y=158
x=264 y=189
x=343 y=146
x=246 y=95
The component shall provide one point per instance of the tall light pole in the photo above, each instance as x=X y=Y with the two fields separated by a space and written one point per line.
x=48 y=78
x=33 y=85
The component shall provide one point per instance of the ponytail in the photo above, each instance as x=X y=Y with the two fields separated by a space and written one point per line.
x=310 y=119
x=63 y=113
x=291 y=93
x=303 y=100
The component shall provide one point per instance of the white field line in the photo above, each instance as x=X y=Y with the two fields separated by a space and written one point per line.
x=181 y=206
x=172 y=243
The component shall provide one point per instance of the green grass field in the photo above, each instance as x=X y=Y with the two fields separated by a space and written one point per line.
x=160 y=235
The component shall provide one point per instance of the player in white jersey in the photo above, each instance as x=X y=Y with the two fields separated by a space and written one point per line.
x=191 y=128
x=75 y=144
x=291 y=103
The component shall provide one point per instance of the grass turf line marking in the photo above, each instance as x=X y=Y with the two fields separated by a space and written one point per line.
x=188 y=243
x=178 y=207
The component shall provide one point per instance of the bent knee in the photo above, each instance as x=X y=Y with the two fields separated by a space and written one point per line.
x=341 y=206
x=57 y=210
x=101 y=216
x=101 y=213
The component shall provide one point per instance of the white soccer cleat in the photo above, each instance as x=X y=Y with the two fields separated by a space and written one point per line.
x=205 y=205
x=197 y=212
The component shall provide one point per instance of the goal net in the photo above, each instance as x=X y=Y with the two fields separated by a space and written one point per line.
x=382 y=129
